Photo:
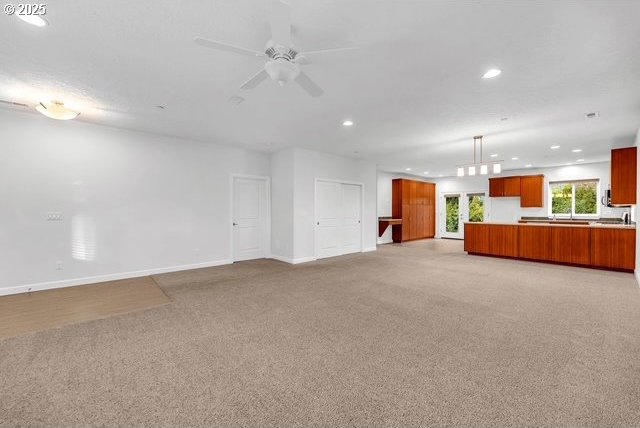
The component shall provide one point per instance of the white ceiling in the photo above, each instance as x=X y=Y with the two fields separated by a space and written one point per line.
x=413 y=89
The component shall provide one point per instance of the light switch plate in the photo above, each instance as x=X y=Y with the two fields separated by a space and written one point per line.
x=54 y=216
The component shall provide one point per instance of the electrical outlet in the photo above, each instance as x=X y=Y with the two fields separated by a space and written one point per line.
x=58 y=265
x=54 y=216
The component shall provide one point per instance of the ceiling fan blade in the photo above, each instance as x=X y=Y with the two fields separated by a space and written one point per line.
x=227 y=47
x=280 y=20
x=323 y=51
x=258 y=78
x=308 y=85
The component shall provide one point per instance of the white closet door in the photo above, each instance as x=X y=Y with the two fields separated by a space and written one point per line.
x=351 y=219
x=338 y=219
x=328 y=219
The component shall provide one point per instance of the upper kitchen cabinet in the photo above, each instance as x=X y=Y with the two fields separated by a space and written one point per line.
x=623 y=176
x=532 y=191
x=530 y=188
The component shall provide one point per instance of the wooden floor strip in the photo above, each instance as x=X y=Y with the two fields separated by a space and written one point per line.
x=40 y=310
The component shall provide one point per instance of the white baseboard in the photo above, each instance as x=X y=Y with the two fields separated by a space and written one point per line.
x=108 y=277
x=366 y=250
x=292 y=260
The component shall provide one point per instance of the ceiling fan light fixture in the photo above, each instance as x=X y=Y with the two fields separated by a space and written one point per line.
x=56 y=110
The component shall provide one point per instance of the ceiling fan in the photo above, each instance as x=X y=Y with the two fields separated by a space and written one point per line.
x=283 y=60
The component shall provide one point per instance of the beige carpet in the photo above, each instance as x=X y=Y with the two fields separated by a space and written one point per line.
x=418 y=334
x=40 y=310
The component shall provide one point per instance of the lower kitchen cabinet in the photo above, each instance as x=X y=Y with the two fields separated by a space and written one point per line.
x=534 y=242
x=601 y=247
x=613 y=248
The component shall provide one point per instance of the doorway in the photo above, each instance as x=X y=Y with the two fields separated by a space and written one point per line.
x=250 y=217
x=338 y=218
x=458 y=208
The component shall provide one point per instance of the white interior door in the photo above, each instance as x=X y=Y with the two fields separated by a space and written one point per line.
x=338 y=219
x=249 y=218
x=351 y=219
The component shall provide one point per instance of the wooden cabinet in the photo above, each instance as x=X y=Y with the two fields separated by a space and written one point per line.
x=413 y=202
x=530 y=188
x=532 y=191
x=512 y=186
x=476 y=238
x=623 y=176
x=496 y=187
x=600 y=247
x=613 y=248
x=534 y=242
x=571 y=245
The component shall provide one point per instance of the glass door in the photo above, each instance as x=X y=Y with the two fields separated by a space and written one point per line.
x=459 y=208
x=453 y=227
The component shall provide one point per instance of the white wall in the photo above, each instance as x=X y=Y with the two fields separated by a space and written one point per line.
x=130 y=201
x=309 y=165
x=282 y=205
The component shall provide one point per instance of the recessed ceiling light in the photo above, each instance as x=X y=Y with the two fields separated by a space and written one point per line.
x=56 y=110
x=576 y=150
x=495 y=155
x=426 y=172
x=515 y=158
x=440 y=175
x=407 y=169
x=528 y=165
x=491 y=73
x=36 y=20
x=554 y=147
x=347 y=123
x=580 y=160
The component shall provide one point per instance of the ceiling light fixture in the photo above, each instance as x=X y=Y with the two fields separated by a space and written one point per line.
x=440 y=175
x=580 y=160
x=495 y=155
x=576 y=150
x=56 y=110
x=515 y=158
x=347 y=123
x=426 y=173
x=528 y=165
x=36 y=20
x=478 y=163
x=407 y=169
x=491 y=73
x=554 y=147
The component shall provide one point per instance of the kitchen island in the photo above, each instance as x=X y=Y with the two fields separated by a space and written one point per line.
x=603 y=246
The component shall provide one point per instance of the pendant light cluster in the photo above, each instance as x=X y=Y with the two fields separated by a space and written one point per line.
x=479 y=166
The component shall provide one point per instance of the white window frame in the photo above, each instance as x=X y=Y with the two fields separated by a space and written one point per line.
x=573 y=198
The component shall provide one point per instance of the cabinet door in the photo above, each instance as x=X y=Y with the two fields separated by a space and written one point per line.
x=503 y=240
x=406 y=222
x=476 y=238
x=413 y=221
x=571 y=245
x=534 y=242
x=613 y=248
x=532 y=191
x=496 y=187
x=512 y=186
x=623 y=176
x=421 y=220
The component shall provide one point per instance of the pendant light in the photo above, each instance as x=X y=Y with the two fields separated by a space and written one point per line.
x=478 y=165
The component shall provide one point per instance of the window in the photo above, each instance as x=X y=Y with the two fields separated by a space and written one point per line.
x=574 y=198
x=476 y=207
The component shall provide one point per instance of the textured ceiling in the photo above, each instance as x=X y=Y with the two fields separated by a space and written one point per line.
x=413 y=89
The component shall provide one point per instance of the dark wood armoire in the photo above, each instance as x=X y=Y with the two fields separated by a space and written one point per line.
x=415 y=203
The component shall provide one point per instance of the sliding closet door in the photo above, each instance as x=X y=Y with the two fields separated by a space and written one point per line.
x=338 y=219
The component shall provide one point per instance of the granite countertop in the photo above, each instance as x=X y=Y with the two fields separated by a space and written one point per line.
x=592 y=224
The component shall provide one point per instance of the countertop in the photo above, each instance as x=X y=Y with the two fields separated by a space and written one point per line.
x=538 y=224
